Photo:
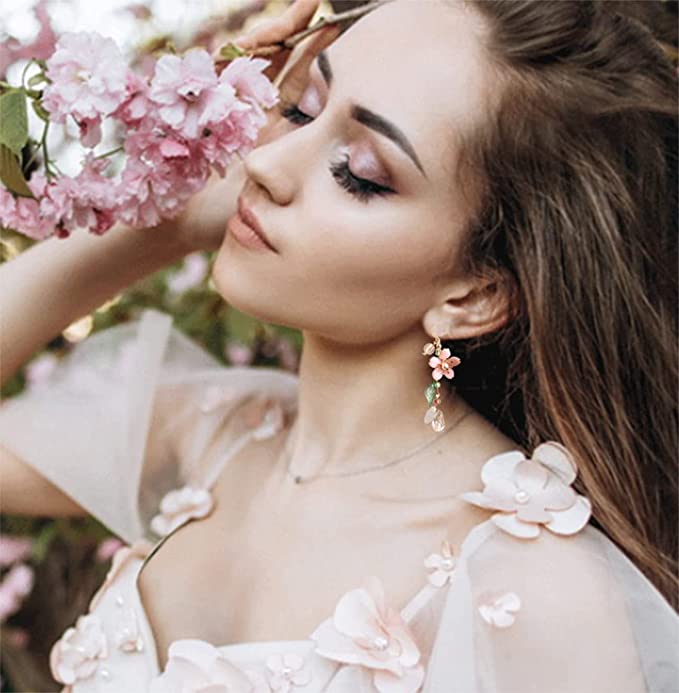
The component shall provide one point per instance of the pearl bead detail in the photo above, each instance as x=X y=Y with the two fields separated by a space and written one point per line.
x=119 y=600
x=381 y=643
x=522 y=496
x=105 y=674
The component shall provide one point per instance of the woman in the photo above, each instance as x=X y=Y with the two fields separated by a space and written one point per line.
x=495 y=175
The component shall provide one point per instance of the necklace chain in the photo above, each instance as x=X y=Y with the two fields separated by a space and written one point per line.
x=297 y=478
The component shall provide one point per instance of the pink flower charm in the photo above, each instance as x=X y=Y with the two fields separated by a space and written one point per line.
x=533 y=492
x=288 y=671
x=77 y=654
x=179 y=505
x=499 y=611
x=139 y=549
x=442 y=565
x=195 y=665
x=444 y=365
x=366 y=631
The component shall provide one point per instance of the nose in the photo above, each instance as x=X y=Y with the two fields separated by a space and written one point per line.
x=278 y=163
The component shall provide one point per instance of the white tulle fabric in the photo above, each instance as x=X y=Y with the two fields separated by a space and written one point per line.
x=137 y=424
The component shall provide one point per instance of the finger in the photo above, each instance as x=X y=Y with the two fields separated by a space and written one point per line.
x=295 y=72
x=294 y=19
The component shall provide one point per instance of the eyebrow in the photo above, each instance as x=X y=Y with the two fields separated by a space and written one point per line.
x=370 y=119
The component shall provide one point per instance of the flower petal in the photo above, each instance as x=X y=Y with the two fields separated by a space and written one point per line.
x=509 y=601
x=499 y=494
x=501 y=466
x=572 y=520
x=556 y=495
x=530 y=476
x=512 y=525
x=410 y=682
x=356 y=614
x=532 y=512
x=558 y=459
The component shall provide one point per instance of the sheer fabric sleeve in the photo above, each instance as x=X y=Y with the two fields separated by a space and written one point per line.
x=553 y=614
x=131 y=412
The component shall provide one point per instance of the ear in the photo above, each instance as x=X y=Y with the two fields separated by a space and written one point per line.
x=472 y=307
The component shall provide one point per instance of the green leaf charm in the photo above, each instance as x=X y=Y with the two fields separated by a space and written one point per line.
x=430 y=392
x=231 y=51
x=13 y=120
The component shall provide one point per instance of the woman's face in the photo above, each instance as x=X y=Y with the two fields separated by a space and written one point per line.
x=363 y=261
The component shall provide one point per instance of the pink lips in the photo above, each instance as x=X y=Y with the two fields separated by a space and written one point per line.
x=248 y=218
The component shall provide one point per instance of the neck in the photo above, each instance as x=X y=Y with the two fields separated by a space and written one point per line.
x=362 y=405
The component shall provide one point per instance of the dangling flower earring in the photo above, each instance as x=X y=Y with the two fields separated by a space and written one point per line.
x=442 y=364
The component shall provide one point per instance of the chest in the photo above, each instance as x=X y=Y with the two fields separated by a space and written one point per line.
x=271 y=565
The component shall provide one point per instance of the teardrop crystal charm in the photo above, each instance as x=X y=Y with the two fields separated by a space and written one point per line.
x=439 y=423
x=428 y=349
x=430 y=414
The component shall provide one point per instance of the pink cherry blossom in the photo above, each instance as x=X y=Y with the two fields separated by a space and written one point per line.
x=499 y=610
x=287 y=671
x=16 y=585
x=189 y=93
x=534 y=492
x=77 y=654
x=88 y=78
x=441 y=565
x=179 y=505
x=136 y=105
x=25 y=213
x=366 y=631
x=14 y=548
x=245 y=74
x=195 y=665
x=40 y=48
x=444 y=365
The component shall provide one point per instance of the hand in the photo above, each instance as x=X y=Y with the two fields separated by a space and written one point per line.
x=202 y=224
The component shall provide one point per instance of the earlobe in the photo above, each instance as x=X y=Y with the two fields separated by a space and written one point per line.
x=480 y=310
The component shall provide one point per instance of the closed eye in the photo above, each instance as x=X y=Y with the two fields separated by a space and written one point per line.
x=361 y=188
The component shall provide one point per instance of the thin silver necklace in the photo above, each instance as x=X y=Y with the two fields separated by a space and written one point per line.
x=298 y=479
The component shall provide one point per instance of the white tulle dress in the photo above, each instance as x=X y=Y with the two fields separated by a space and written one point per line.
x=534 y=600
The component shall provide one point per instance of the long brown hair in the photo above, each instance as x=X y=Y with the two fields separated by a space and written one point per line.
x=578 y=163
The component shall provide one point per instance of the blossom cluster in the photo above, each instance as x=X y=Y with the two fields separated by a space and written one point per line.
x=177 y=125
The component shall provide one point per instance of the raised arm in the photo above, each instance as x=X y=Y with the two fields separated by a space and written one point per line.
x=57 y=281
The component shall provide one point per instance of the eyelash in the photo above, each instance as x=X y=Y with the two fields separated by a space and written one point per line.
x=360 y=188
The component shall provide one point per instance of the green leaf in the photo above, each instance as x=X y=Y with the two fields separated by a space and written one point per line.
x=10 y=173
x=37 y=79
x=231 y=51
x=13 y=120
x=40 y=111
